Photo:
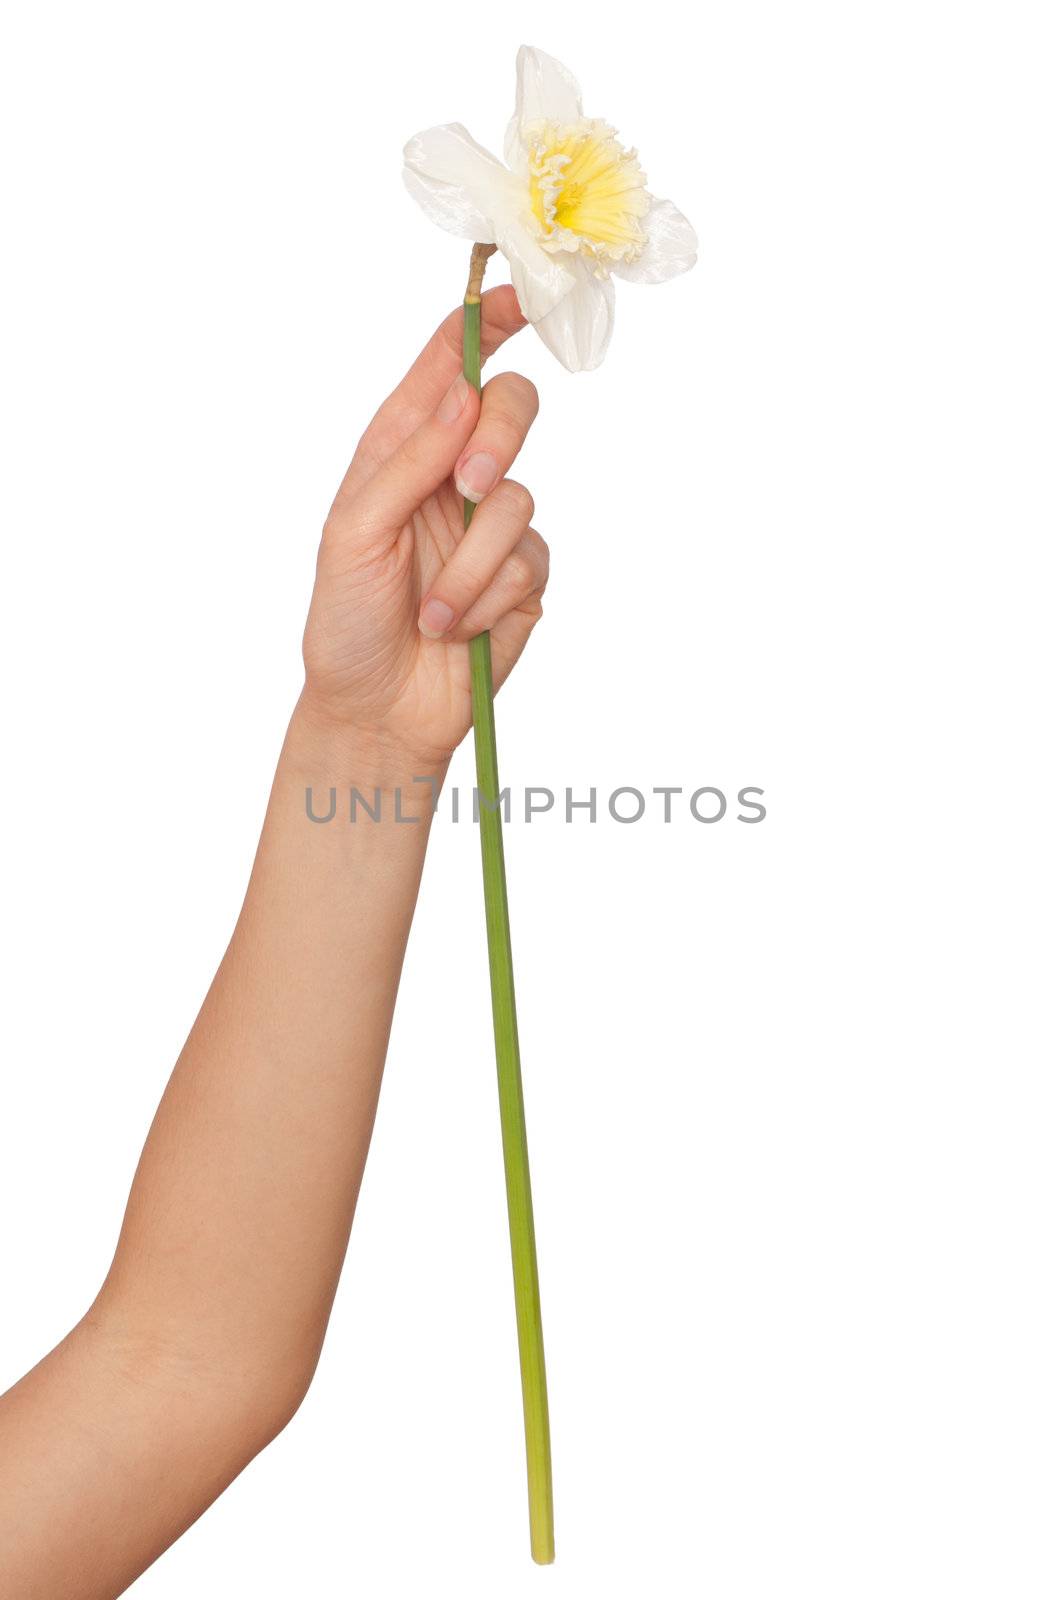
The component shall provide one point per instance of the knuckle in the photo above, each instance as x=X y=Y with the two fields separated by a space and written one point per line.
x=540 y=549
x=512 y=432
x=516 y=500
x=467 y=575
x=345 y=527
x=522 y=572
x=473 y=580
x=408 y=454
x=515 y=394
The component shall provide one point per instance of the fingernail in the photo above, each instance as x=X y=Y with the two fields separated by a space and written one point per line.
x=436 y=617
x=477 y=476
x=453 y=402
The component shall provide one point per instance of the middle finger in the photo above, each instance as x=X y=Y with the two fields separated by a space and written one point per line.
x=507 y=410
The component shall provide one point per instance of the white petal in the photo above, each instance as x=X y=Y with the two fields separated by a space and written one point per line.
x=578 y=330
x=671 y=246
x=546 y=92
x=461 y=186
x=542 y=280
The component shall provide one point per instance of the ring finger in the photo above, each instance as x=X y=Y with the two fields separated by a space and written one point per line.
x=519 y=581
x=491 y=537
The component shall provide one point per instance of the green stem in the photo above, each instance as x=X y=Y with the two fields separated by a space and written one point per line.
x=507 y=1050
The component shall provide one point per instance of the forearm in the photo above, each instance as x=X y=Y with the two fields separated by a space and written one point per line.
x=210 y=1322
x=240 y=1211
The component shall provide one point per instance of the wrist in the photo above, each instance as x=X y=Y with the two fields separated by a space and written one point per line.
x=330 y=752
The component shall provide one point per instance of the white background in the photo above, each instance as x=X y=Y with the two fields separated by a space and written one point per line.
x=792 y=1089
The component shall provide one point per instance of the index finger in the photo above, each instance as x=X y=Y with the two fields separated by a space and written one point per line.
x=431 y=375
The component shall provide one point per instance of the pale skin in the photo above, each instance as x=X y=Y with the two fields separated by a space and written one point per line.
x=206 y=1332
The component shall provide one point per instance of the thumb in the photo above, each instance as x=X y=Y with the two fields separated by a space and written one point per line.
x=415 y=469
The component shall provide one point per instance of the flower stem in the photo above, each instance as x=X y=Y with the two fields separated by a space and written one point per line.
x=507 y=1050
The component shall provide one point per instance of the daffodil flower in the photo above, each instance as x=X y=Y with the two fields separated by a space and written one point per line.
x=569 y=210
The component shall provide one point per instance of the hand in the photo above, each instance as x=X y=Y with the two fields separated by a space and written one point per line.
x=401 y=587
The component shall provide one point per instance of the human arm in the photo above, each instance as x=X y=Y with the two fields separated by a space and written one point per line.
x=208 y=1327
